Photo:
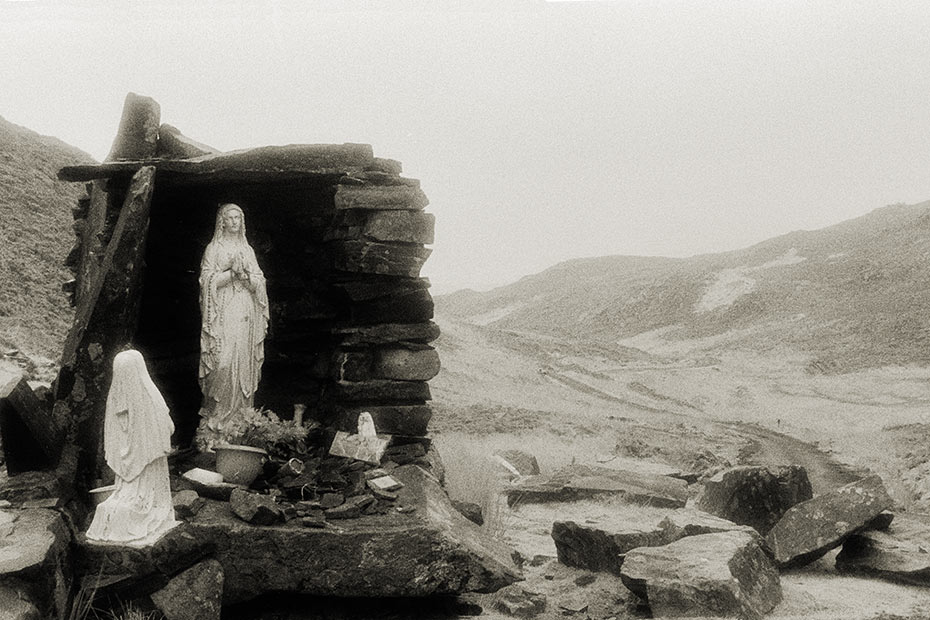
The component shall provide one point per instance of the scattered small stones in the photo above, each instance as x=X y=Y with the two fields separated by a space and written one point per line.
x=470 y=511
x=315 y=521
x=585 y=579
x=573 y=606
x=517 y=601
x=388 y=496
x=255 y=508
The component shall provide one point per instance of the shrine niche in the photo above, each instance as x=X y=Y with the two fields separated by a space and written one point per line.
x=339 y=236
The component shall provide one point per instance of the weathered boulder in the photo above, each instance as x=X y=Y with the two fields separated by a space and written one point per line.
x=255 y=508
x=423 y=548
x=902 y=553
x=725 y=574
x=583 y=481
x=518 y=601
x=137 y=137
x=194 y=594
x=602 y=546
x=517 y=463
x=810 y=529
x=35 y=550
x=754 y=495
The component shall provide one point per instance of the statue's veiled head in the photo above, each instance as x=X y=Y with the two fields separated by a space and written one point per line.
x=230 y=222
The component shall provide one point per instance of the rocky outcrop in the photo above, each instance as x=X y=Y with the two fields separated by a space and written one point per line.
x=754 y=495
x=901 y=554
x=603 y=545
x=810 y=529
x=421 y=547
x=583 y=481
x=726 y=574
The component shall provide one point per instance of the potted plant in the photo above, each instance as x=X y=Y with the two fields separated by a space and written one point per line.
x=257 y=434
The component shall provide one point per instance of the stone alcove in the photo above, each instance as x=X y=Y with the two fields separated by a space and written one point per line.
x=339 y=234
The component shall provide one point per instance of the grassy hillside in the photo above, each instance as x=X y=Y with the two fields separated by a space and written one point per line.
x=854 y=295
x=35 y=237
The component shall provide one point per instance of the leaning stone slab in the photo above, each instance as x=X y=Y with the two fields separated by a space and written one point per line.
x=194 y=594
x=689 y=522
x=425 y=549
x=517 y=462
x=812 y=528
x=602 y=546
x=717 y=575
x=583 y=481
x=754 y=495
x=901 y=554
x=34 y=549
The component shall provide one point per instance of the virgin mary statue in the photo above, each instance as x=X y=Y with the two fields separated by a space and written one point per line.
x=136 y=439
x=234 y=314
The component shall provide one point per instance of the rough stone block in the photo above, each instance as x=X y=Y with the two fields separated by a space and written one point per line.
x=382 y=391
x=255 y=508
x=899 y=554
x=411 y=306
x=582 y=481
x=753 y=495
x=137 y=137
x=380 y=197
x=406 y=365
x=810 y=529
x=380 y=258
x=403 y=226
x=726 y=575
x=194 y=594
x=172 y=144
x=31 y=439
x=389 y=333
x=35 y=549
x=518 y=463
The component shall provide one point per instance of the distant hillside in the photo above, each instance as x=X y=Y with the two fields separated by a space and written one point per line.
x=853 y=295
x=35 y=237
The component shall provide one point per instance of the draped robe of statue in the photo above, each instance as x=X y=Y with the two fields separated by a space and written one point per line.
x=137 y=441
x=234 y=316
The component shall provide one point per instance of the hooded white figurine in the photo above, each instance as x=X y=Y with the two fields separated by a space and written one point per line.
x=137 y=440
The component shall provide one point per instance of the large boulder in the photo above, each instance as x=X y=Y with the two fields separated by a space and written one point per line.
x=194 y=594
x=754 y=495
x=602 y=545
x=421 y=546
x=902 y=553
x=585 y=481
x=35 y=550
x=810 y=529
x=725 y=574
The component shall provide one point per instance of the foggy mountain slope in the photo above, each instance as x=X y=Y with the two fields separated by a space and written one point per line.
x=35 y=237
x=853 y=295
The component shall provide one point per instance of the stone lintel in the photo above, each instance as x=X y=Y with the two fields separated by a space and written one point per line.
x=257 y=163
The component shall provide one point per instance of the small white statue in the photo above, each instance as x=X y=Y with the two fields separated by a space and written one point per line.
x=366 y=445
x=234 y=319
x=137 y=440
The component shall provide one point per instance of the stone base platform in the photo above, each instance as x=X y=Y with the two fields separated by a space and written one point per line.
x=424 y=547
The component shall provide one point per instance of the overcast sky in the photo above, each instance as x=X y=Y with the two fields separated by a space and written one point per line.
x=541 y=131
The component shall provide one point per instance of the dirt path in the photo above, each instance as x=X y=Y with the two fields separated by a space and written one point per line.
x=773 y=448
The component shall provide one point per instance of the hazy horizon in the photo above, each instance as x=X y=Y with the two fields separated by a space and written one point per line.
x=541 y=131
